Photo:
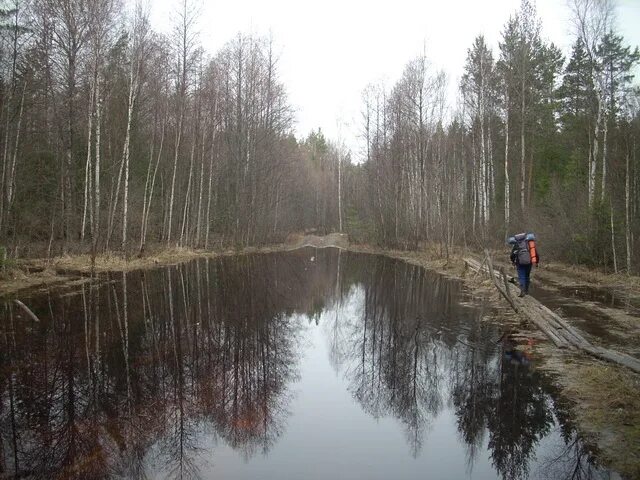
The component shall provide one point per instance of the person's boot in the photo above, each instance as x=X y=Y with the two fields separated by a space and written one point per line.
x=522 y=292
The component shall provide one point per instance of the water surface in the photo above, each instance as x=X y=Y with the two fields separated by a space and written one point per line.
x=313 y=364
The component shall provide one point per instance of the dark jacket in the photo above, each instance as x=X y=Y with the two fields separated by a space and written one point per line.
x=514 y=254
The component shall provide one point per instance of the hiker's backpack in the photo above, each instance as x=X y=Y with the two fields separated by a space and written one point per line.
x=524 y=256
x=531 y=242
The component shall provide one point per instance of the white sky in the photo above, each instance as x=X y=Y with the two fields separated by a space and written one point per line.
x=331 y=49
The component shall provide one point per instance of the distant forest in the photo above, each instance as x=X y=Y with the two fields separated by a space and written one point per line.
x=114 y=137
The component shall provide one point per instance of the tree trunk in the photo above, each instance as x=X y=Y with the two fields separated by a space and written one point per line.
x=173 y=177
x=340 y=191
x=143 y=236
x=506 y=164
x=96 y=227
x=209 y=187
x=594 y=154
x=133 y=87
x=605 y=130
x=627 y=214
x=523 y=169
x=12 y=173
x=613 y=240
x=183 y=229
x=87 y=169
x=199 y=213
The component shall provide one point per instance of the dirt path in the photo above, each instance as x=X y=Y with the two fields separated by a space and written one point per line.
x=338 y=240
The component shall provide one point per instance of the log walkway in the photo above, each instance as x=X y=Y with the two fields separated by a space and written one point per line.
x=553 y=325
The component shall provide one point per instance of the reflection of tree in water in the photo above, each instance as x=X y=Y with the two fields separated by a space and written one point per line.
x=397 y=345
x=518 y=418
x=131 y=375
x=148 y=362
x=413 y=349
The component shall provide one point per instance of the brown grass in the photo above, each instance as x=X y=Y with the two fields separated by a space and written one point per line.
x=15 y=279
x=607 y=408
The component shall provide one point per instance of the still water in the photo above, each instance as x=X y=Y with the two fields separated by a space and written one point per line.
x=313 y=364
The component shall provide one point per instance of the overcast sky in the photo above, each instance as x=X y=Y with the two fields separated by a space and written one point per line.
x=330 y=50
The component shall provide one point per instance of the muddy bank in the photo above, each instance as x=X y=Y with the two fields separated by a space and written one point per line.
x=16 y=280
x=27 y=274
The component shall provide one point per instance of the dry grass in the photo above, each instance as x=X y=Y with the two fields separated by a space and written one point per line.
x=15 y=280
x=117 y=262
x=598 y=277
x=62 y=268
x=607 y=408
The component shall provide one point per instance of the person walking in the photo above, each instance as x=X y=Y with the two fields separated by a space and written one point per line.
x=523 y=255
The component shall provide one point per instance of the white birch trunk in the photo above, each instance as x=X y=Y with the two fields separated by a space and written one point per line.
x=199 y=214
x=147 y=180
x=133 y=81
x=153 y=182
x=627 y=195
x=594 y=154
x=183 y=229
x=96 y=226
x=173 y=178
x=209 y=189
x=506 y=165
x=613 y=240
x=603 y=185
x=12 y=172
x=340 y=191
x=87 y=168
x=522 y=150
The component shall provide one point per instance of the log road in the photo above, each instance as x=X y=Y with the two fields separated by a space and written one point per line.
x=556 y=328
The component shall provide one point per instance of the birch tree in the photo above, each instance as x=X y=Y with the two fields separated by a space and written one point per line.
x=592 y=19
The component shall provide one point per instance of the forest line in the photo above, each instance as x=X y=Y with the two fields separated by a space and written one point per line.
x=115 y=137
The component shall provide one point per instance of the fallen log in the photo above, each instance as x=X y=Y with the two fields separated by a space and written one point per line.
x=27 y=310
x=505 y=293
x=556 y=328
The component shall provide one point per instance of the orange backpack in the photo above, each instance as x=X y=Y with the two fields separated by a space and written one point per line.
x=533 y=252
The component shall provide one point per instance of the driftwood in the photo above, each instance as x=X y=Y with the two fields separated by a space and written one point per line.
x=556 y=328
x=27 y=310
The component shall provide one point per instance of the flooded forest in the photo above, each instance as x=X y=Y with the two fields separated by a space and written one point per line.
x=163 y=313
x=214 y=369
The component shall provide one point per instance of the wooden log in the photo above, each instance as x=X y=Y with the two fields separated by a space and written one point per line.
x=504 y=293
x=556 y=328
x=557 y=339
x=506 y=284
x=554 y=334
x=569 y=332
x=479 y=269
x=27 y=310
x=564 y=324
x=616 y=357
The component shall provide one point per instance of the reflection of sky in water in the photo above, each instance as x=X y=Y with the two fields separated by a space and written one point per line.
x=330 y=436
x=281 y=367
